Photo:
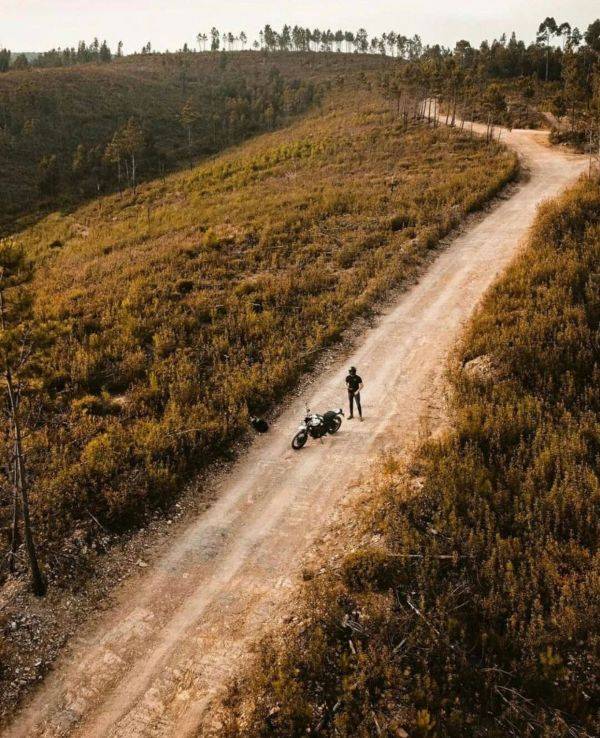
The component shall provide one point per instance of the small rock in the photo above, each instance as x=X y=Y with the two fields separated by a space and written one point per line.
x=481 y=368
x=417 y=483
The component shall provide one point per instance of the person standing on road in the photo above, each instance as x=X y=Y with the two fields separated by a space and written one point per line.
x=354 y=384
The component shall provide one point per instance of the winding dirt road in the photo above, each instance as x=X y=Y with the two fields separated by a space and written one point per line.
x=152 y=663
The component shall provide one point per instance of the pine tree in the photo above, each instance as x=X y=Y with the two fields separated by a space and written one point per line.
x=188 y=116
x=105 y=53
x=270 y=38
x=4 y=60
x=48 y=175
x=574 y=82
x=547 y=29
x=125 y=145
x=21 y=62
x=361 y=41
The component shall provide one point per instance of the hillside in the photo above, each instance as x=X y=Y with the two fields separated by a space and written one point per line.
x=63 y=134
x=191 y=239
x=187 y=106
x=179 y=309
x=471 y=608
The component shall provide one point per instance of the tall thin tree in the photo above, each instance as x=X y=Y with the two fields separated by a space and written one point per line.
x=20 y=338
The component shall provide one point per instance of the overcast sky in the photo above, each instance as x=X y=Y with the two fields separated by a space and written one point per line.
x=36 y=25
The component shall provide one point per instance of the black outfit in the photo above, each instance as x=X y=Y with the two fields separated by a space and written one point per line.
x=353 y=382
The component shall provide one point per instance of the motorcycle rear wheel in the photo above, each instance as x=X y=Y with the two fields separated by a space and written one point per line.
x=299 y=440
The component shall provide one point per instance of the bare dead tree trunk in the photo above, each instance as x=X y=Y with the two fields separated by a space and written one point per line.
x=133 y=170
x=14 y=538
x=37 y=580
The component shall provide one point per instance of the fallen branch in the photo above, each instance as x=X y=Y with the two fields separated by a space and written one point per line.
x=95 y=519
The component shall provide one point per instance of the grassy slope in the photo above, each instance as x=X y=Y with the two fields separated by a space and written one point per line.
x=501 y=638
x=51 y=111
x=213 y=291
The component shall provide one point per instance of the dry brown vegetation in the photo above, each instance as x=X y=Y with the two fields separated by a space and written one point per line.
x=182 y=306
x=477 y=613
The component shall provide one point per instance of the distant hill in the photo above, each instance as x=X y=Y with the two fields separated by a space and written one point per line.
x=47 y=113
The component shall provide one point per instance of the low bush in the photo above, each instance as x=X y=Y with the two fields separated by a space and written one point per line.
x=369 y=569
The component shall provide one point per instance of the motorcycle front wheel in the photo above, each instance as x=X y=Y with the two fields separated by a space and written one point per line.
x=299 y=440
x=335 y=425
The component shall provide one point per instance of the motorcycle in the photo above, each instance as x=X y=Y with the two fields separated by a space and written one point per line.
x=316 y=426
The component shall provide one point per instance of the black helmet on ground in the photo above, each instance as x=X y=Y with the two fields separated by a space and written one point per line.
x=260 y=425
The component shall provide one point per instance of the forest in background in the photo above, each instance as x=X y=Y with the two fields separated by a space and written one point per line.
x=77 y=123
x=68 y=135
x=542 y=57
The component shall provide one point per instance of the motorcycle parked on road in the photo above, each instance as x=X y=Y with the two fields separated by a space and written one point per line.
x=316 y=426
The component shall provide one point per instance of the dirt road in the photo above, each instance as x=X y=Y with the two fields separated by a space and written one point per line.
x=152 y=664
